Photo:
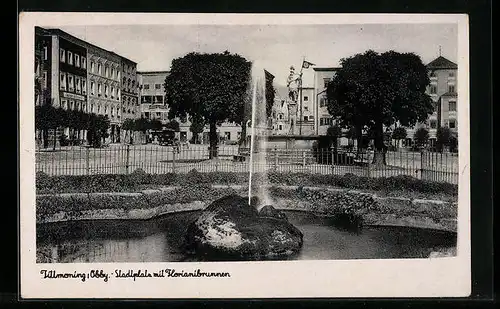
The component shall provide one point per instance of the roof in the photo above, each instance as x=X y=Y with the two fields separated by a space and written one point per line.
x=59 y=32
x=441 y=63
x=327 y=69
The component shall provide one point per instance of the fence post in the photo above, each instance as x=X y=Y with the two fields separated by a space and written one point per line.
x=173 y=159
x=87 y=160
x=422 y=164
x=127 y=159
x=275 y=159
x=333 y=159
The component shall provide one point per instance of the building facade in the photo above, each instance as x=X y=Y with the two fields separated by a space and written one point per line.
x=130 y=106
x=61 y=70
x=105 y=94
x=152 y=95
x=78 y=75
x=442 y=90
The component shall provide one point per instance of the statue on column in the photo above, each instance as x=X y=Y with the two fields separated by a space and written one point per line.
x=293 y=85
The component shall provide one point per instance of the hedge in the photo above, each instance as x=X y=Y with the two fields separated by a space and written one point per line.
x=138 y=179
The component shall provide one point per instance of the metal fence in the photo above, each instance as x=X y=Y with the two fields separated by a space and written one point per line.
x=155 y=159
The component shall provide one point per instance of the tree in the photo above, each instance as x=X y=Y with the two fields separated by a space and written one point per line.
x=443 y=136
x=155 y=124
x=334 y=132
x=173 y=125
x=453 y=143
x=128 y=126
x=197 y=127
x=374 y=90
x=141 y=125
x=208 y=86
x=398 y=134
x=421 y=137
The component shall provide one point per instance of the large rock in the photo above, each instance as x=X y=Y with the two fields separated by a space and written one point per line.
x=231 y=229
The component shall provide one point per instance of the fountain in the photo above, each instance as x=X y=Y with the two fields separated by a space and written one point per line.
x=247 y=228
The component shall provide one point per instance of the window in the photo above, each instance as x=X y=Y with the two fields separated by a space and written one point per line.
x=326 y=81
x=146 y=86
x=62 y=82
x=118 y=94
x=84 y=63
x=452 y=123
x=45 y=79
x=106 y=71
x=77 y=106
x=452 y=106
x=62 y=55
x=433 y=124
x=92 y=108
x=71 y=104
x=99 y=89
x=98 y=109
x=70 y=58
x=311 y=118
x=77 y=61
x=306 y=98
x=45 y=53
x=112 y=92
x=71 y=85
x=64 y=104
x=112 y=73
x=306 y=118
x=433 y=74
x=322 y=102
x=99 y=69
x=280 y=127
x=280 y=116
x=78 y=86
x=433 y=89
x=92 y=67
x=105 y=109
x=306 y=108
x=84 y=86
x=157 y=86
x=117 y=75
x=92 y=88
x=451 y=74
x=106 y=91
x=451 y=88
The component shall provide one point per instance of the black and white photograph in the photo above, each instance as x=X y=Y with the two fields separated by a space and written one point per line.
x=189 y=155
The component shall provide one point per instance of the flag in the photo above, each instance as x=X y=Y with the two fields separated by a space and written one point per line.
x=306 y=64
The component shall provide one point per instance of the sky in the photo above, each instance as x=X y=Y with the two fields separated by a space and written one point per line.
x=275 y=47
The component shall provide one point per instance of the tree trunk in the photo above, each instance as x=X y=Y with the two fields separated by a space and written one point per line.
x=213 y=140
x=379 y=154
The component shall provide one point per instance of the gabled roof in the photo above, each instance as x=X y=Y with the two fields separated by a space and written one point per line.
x=441 y=63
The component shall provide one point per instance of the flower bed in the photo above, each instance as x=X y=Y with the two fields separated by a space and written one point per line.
x=138 y=180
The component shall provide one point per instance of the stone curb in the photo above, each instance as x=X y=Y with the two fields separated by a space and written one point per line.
x=447 y=224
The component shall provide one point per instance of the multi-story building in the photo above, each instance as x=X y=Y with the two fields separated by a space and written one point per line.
x=130 y=106
x=79 y=75
x=105 y=94
x=63 y=71
x=442 y=90
x=152 y=95
x=322 y=76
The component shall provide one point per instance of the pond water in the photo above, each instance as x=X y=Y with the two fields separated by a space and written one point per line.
x=161 y=240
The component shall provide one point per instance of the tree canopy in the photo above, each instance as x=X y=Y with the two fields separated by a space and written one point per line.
x=210 y=88
x=373 y=90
